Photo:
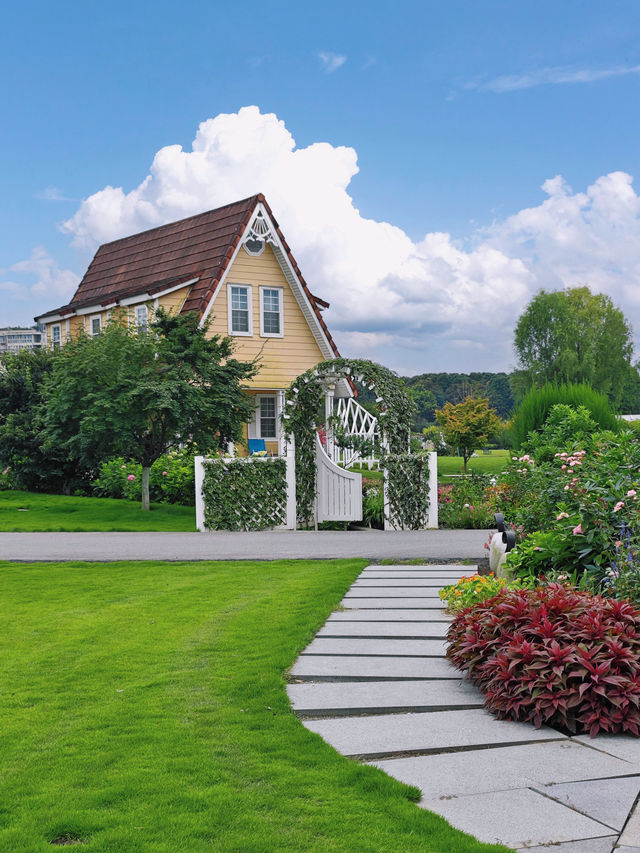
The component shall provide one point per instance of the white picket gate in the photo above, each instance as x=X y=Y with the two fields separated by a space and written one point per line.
x=339 y=492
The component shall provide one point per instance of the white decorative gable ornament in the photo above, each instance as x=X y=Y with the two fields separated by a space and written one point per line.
x=259 y=234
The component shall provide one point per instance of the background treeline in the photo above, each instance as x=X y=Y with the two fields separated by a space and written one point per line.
x=431 y=391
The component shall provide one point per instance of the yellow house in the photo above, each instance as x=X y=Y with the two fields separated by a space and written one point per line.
x=233 y=267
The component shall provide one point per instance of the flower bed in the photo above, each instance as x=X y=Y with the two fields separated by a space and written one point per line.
x=471 y=590
x=467 y=504
x=553 y=655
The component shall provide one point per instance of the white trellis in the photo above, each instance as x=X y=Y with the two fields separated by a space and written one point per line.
x=354 y=420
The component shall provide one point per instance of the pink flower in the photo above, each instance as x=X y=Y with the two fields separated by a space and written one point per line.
x=164 y=473
x=619 y=544
x=577 y=530
x=123 y=466
x=566 y=488
x=631 y=493
x=618 y=506
x=563 y=468
x=131 y=477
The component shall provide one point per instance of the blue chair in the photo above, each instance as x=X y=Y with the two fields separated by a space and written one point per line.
x=256 y=444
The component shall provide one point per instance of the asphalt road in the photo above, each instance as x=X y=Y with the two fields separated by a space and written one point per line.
x=429 y=545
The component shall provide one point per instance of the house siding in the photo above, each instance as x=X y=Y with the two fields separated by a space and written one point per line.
x=285 y=358
x=171 y=302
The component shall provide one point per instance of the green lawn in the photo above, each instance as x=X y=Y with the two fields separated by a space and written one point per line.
x=143 y=709
x=31 y=511
x=494 y=463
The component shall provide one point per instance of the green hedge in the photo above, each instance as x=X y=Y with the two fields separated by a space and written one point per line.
x=243 y=494
x=536 y=405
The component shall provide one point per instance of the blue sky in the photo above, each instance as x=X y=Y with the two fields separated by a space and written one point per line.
x=457 y=113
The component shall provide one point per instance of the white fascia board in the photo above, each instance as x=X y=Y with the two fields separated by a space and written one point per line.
x=92 y=309
x=176 y=287
x=296 y=285
x=132 y=300
x=53 y=318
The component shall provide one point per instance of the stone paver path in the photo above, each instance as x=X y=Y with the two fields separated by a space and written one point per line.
x=376 y=685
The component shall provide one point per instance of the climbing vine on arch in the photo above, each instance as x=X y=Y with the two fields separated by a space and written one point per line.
x=304 y=399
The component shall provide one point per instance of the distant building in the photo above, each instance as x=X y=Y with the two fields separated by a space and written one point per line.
x=12 y=340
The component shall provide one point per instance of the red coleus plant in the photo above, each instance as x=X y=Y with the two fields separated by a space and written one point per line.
x=553 y=655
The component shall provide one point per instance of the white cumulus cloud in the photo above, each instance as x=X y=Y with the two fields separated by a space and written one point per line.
x=431 y=304
x=39 y=275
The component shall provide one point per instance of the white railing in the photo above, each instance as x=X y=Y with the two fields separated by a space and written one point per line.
x=354 y=420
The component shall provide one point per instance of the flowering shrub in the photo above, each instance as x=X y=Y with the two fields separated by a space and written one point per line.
x=468 y=503
x=171 y=480
x=573 y=505
x=553 y=655
x=471 y=590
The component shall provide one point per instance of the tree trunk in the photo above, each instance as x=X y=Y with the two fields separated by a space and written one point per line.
x=145 y=488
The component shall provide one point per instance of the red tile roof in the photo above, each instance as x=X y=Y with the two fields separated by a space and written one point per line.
x=199 y=247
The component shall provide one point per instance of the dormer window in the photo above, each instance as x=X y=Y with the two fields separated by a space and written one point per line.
x=254 y=247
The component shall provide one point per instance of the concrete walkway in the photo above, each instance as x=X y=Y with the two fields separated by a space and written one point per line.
x=375 y=684
x=268 y=545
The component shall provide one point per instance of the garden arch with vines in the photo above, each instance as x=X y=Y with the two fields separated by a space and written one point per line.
x=406 y=474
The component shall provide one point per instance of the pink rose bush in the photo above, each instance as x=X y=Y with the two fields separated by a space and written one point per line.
x=577 y=504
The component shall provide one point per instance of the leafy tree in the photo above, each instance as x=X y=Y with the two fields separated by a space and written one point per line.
x=426 y=404
x=139 y=393
x=574 y=336
x=30 y=467
x=468 y=425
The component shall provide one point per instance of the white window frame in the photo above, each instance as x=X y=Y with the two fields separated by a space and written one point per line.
x=279 y=334
x=262 y=397
x=97 y=317
x=137 y=323
x=249 y=290
x=55 y=343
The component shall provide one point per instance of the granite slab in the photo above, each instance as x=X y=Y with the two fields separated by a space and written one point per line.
x=317 y=667
x=606 y=800
x=532 y=765
x=516 y=818
x=425 y=614
x=415 y=630
x=322 y=698
x=439 y=731
x=393 y=647
x=502 y=768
